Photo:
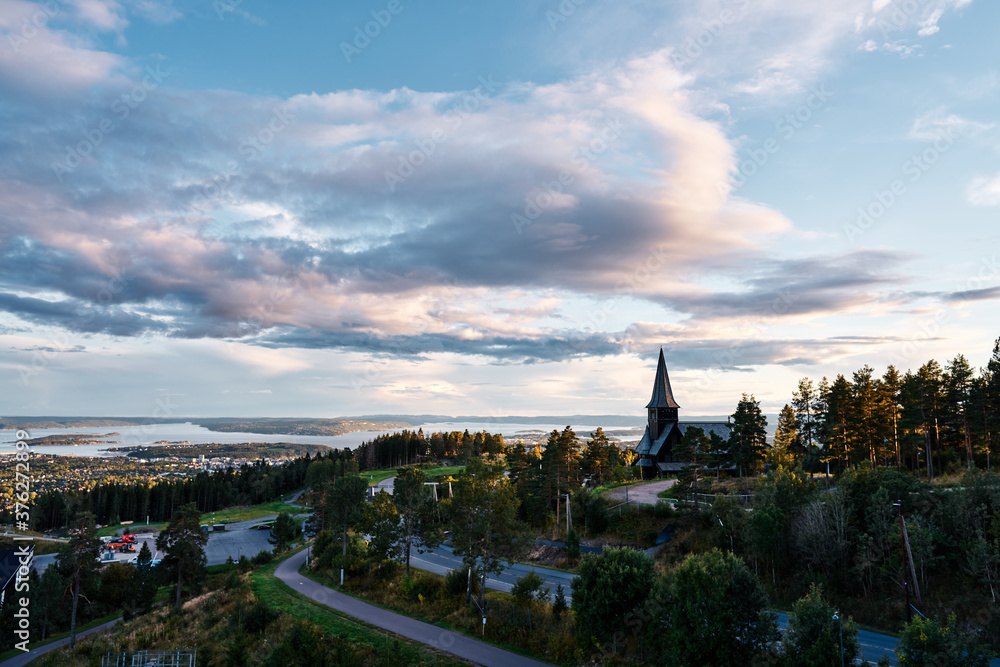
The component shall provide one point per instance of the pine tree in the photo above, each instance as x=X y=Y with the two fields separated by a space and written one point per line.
x=804 y=404
x=183 y=542
x=78 y=564
x=862 y=416
x=748 y=436
x=694 y=448
x=958 y=392
x=837 y=427
x=786 y=439
x=888 y=406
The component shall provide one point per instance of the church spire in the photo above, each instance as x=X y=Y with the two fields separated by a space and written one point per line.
x=663 y=395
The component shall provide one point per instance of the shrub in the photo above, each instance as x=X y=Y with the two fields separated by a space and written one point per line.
x=528 y=588
x=263 y=558
x=611 y=586
x=573 y=544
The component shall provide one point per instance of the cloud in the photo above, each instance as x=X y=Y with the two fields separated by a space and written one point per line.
x=984 y=191
x=937 y=123
x=39 y=60
x=406 y=222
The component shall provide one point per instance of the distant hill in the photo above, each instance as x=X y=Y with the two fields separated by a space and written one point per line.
x=342 y=425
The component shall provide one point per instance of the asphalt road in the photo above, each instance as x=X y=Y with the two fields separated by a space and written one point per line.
x=425 y=633
x=237 y=540
x=442 y=561
x=642 y=493
x=25 y=658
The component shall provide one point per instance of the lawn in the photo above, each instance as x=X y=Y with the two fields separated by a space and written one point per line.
x=230 y=515
x=107 y=531
x=234 y=514
x=376 y=476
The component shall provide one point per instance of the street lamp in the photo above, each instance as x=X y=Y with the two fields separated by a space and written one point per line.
x=836 y=617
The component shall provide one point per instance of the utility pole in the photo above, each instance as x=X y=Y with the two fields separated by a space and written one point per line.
x=902 y=554
x=569 y=520
x=913 y=570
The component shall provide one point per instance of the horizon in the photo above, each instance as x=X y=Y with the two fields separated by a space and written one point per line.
x=506 y=208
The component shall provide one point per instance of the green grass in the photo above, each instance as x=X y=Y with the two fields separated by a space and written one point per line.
x=376 y=476
x=441 y=623
x=277 y=595
x=108 y=531
x=230 y=515
x=235 y=514
x=443 y=471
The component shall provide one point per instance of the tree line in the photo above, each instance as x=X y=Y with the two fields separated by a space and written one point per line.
x=925 y=421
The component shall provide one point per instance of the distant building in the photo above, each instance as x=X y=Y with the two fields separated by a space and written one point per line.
x=664 y=428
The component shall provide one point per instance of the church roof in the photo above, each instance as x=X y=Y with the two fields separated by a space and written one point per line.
x=649 y=447
x=721 y=428
x=663 y=395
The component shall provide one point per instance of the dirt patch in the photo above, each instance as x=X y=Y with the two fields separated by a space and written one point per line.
x=543 y=554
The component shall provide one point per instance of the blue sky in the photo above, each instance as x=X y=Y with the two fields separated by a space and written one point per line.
x=248 y=208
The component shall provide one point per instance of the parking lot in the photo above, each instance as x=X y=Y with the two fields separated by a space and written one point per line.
x=239 y=539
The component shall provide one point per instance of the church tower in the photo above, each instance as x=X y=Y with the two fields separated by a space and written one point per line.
x=662 y=408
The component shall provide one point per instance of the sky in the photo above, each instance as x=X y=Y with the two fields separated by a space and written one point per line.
x=316 y=209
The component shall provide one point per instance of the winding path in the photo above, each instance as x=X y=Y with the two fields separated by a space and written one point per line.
x=425 y=633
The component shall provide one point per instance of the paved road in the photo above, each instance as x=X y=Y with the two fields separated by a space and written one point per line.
x=425 y=633
x=237 y=540
x=644 y=494
x=442 y=561
x=293 y=499
x=25 y=658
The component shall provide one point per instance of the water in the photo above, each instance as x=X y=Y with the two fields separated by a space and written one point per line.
x=148 y=434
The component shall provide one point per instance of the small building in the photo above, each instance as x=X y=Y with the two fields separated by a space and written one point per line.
x=664 y=429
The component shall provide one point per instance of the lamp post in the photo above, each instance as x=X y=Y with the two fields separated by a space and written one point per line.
x=840 y=623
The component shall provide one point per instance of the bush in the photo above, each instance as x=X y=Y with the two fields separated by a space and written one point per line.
x=711 y=610
x=573 y=544
x=925 y=642
x=262 y=558
x=528 y=588
x=559 y=606
x=611 y=586
x=258 y=618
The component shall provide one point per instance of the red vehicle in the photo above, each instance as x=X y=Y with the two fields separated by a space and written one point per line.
x=130 y=538
x=121 y=545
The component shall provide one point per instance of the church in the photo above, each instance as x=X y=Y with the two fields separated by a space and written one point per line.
x=664 y=429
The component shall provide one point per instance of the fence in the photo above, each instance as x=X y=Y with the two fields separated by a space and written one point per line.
x=175 y=658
